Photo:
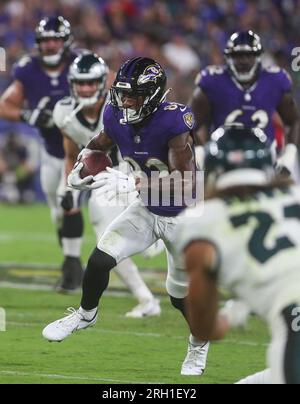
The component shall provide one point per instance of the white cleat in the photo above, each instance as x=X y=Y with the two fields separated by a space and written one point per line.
x=195 y=360
x=146 y=309
x=62 y=328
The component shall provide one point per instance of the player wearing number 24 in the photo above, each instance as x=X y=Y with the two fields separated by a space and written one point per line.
x=242 y=91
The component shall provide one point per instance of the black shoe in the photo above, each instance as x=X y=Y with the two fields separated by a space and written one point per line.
x=72 y=275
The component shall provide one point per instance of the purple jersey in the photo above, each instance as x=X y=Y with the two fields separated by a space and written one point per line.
x=37 y=85
x=252 y=107
x=146 y=149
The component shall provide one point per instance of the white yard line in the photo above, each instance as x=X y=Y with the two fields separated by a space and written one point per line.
x=51 y=288
x=13 y=285
x=8 y=237
x=67 y=377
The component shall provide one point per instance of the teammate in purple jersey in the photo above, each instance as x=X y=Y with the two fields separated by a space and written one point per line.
x=244 y=92
x=153 y=135
x=39 y=81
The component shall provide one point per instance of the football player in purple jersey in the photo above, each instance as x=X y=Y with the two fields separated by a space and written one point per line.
x=154 y=136
x=39 y=81
x=242 y=91
x=80 y=118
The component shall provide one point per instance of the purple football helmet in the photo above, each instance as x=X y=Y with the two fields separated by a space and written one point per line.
x=57 y=28
x=243 y=55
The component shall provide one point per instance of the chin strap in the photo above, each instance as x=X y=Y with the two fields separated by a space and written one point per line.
x=53 y=60
x=163 y=98
x=243 y=77
x=139 y=118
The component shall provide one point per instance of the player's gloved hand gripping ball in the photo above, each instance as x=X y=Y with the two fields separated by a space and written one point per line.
x=89 y=164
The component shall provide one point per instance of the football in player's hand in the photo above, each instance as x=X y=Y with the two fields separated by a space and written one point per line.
x=94 y=162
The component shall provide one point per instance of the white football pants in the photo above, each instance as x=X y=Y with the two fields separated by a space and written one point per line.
x=52 y=169
x=134 y=231
x=101 y=217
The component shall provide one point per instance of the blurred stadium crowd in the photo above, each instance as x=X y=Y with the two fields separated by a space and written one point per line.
x=183 y=35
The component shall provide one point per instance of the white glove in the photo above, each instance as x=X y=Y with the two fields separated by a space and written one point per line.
x=236 y=312
x=287 y=161
x=83 y=152
x=199 y=157
x=113 y=182
x=76 y=182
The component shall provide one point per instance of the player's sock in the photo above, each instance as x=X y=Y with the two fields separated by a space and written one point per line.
x=128 y=272
x=88 y=314
x=263 y=377
x=72 y=232
x=179 y=305
x=96 y=278
x=72 y=247
x=194 y=341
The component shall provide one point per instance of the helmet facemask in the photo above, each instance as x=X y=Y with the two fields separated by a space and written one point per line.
x=88 y=101
x=245 y=43
x=147 y=104
x=243 y=77
x=238 y=156
x=88 y=68
x=53 y=60
x=141 y=79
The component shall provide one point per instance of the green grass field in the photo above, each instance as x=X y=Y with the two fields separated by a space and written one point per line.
x=117 y=350
x=27 y=235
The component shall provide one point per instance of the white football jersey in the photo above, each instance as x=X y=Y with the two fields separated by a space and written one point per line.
x=76 y=125
x=257 y=243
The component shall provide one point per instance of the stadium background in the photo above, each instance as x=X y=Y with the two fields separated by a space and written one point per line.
x=184 y=35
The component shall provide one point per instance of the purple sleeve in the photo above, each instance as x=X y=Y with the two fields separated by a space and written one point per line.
x=285 y=81
x=203 y=80
x=21 y=70
x=208 y=80
x=181 y=121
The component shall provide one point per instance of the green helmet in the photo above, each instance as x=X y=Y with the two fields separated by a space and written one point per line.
x=239 y=155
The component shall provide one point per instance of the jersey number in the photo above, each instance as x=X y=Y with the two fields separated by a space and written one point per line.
x=260 y=118
x=265 y=222
x=152 y=162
